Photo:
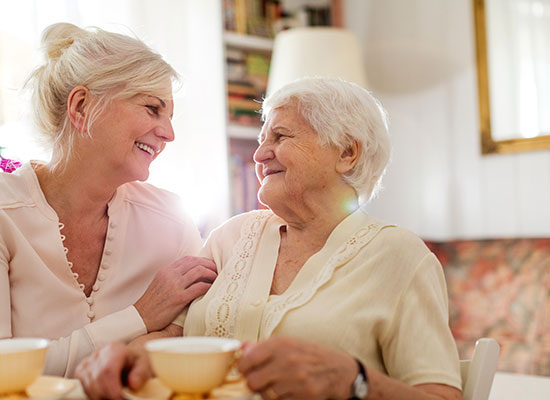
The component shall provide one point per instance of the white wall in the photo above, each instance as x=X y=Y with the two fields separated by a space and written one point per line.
x=420 y=60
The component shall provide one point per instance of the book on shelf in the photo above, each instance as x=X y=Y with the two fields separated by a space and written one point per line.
x=266 y=18
x=245 y=185
x=243 y=103
x=247 y=74
x=251 y=17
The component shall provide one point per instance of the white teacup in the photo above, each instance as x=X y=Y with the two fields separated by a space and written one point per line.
x=21 y=362
x=193 y=364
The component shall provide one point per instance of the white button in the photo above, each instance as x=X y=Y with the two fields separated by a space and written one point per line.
x=112 y=225
x=256 y=303
x=91 y=314
x=110 y=237
x=101 y=277
x=108 y=252
x=95 y=288
x=105 y=266
x=90 y=300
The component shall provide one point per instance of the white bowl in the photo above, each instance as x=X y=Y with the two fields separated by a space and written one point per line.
x=192 y=364
x=21 y=362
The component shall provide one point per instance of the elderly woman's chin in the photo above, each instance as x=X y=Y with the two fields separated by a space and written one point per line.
x=267 y=196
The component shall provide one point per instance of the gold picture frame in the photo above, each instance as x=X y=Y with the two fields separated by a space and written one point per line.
x=488 y=144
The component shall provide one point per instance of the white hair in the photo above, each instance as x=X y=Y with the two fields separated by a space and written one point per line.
x=342 y=112
x=110 y=65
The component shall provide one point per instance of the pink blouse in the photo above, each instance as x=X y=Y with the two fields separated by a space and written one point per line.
x=40 y=295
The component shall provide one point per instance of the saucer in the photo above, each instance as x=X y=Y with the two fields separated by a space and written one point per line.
x=50 y=388
x=45 y=388
x=154 y=389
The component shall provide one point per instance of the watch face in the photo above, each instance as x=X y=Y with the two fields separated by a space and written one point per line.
x=362 y=389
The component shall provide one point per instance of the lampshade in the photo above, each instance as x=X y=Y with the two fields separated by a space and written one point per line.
x=315 y=51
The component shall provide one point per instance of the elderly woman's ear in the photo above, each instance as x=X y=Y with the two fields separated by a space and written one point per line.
x=348 y=157
x=77 y=102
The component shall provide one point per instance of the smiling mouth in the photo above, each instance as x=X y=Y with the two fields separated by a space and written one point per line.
x=272 y=173
x=146 y=148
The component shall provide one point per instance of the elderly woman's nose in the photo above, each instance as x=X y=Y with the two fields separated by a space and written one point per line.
x=260 y=154
x=263 y=153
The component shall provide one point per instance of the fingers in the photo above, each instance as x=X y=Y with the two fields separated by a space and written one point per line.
x=192 y=292
x=282 y=367
x=198 y=274
x=100 y=373
x=187 y=263
x=173 y=288
x=140 y=372
x=257 y=363
x=264 y=352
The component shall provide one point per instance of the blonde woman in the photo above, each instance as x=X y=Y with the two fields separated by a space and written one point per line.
x=88 y=254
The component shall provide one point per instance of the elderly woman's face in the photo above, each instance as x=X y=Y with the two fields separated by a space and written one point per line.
x=291 y=164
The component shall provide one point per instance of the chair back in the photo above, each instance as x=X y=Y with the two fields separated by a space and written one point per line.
x=478 y=373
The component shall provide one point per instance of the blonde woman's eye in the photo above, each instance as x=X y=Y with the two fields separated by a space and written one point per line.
x=153 y=109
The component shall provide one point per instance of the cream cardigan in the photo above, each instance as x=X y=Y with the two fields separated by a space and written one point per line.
x=40 y=296
x=374 y=290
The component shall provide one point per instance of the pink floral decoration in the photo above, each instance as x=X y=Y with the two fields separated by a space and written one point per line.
x=7 y=165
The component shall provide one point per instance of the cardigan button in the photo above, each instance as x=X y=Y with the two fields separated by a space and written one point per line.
x=90 y=300
x=256 y=303
x=91 y=314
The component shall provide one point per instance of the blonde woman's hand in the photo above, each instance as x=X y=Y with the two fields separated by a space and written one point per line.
x=173 y=288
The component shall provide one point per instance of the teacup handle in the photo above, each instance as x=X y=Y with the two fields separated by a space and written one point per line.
x=233 y=375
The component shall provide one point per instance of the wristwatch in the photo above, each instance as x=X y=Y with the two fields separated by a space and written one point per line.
x=360 y=387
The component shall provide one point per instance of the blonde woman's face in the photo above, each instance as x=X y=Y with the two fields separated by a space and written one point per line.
x=130 y=135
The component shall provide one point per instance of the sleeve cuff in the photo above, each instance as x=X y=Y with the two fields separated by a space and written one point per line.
x=180 y=319
x=121 y=326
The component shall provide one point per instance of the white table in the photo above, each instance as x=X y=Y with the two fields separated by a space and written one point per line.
x=508 y=386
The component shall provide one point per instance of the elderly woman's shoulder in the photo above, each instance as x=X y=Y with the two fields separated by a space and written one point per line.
x=400 y=240
x=248 y=221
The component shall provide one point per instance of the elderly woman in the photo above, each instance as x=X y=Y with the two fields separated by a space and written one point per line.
x=340 y=304
x=87 y=254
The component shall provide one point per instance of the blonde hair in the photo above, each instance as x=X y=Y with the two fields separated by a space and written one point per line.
x=341 y=112
x=109 y=64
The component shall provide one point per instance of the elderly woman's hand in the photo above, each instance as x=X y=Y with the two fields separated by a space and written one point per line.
x=294 y=369
x=173 y=288
x=101 y=373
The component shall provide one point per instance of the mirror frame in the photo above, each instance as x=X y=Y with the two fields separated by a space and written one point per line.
x=488 y=144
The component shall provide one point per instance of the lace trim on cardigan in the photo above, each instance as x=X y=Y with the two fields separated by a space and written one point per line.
x=275 y=310
x=69 y=263
x=221 y=312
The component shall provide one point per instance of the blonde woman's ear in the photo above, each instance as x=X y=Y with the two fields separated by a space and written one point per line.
x=76 y=107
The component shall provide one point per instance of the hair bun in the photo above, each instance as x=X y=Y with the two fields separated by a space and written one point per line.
x=59 y=37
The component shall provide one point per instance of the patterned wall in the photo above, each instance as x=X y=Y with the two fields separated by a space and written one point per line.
x=500 y=288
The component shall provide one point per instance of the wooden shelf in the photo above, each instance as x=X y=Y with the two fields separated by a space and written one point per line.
x=247 y=41
x=236 y=131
